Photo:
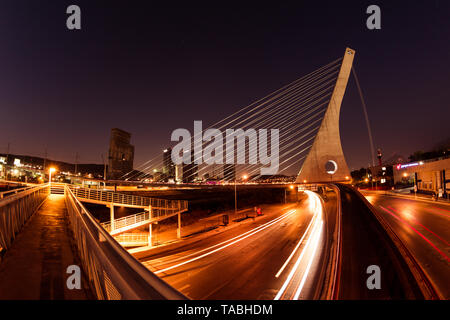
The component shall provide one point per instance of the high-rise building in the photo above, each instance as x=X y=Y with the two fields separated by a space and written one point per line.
x=179 y=173
x=190 y=170
x=168 y=165
x=229 y=172
x=121 y=154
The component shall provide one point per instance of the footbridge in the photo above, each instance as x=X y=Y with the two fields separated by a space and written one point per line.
x=154 y=210
x=51 y=218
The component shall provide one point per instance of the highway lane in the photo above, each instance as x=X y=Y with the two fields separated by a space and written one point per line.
x=275 y=256
x=366 y=243
x=424 y=227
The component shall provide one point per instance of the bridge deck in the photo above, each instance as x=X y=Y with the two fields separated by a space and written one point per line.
x=35 y=266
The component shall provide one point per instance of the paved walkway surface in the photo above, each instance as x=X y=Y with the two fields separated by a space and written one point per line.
x=35 y=266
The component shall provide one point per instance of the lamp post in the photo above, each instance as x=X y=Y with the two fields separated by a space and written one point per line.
x=50 y=171
x=244 y=177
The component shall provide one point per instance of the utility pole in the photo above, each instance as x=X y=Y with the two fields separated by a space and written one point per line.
x=104 y=167
x=235 y=197
x=45 y=159
x=76 y=163
x=7 y=154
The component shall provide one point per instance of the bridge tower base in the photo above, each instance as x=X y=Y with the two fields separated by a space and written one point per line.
x=325 y=161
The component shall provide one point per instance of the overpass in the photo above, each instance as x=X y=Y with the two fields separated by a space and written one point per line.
x=33 y=221
x=40 y=224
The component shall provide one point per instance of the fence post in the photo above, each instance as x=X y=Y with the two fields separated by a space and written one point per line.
x=179 y=225
x=111 y=210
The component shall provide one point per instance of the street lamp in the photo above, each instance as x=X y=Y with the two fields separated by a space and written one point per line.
x=244 y=177
x=50 y=171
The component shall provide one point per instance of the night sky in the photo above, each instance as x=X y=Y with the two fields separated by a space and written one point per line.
x=149 y=69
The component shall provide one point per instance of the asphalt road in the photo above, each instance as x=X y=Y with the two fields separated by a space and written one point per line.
x=243 y=262
x=424 y=227
x=365 y=243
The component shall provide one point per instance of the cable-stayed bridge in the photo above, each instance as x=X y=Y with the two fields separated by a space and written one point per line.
x=316 y=238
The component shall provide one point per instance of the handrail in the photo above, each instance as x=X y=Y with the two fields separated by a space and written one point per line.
x=112 y=272
x=16 y=209
x=132 y=238
x=127 y=221
x=160 y=207
x=3 y=194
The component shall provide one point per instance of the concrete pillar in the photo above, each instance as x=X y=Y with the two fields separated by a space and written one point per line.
x=179 y=226
x=326 y=150
x=111 y=211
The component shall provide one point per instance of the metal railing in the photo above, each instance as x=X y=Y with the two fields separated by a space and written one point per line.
x=127 y=221
x=160 y=207
x=130 y=239
x=112 y=272
x=4 y=194
x=16 y=209
x=109 y=196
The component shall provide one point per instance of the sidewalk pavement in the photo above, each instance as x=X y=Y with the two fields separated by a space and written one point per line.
x=34 y=268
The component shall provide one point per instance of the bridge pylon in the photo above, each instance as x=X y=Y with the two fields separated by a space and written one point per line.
x=325 y=161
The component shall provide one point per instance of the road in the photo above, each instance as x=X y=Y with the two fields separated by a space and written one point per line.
x=366 y=243
x=276 y=256
x=424 y=227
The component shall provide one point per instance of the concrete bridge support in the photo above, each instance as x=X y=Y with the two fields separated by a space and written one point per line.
x=325 y=161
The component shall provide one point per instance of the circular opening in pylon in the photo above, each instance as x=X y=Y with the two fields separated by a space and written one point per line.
x=331 y=167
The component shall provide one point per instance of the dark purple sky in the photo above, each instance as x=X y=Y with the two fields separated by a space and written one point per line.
x=149 y=70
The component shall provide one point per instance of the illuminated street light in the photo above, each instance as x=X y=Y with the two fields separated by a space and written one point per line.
x=50 y=171
x=366 y=180
x=405 y=174
x=291 y=187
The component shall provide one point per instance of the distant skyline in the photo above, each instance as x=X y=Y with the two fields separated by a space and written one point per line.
x=149 y=69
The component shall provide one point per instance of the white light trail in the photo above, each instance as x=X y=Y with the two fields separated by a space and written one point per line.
x=295 y=249
x=223 y=242
x=240 y=238
x=305 y=275
x=313 y=239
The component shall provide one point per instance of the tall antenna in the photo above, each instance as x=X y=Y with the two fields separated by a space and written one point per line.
x=45 y=158
x=76 y=163
x=372 y=149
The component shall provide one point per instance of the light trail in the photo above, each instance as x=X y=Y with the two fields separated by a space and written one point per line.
x=413 y=218
x=240 y=238
x=295 y=249
x=226 y=241
x=305 y=275
x=418 y=232
x=314 y=239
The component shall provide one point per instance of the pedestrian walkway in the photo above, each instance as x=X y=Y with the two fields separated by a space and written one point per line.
x=35 y=266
